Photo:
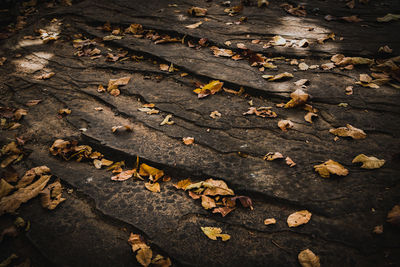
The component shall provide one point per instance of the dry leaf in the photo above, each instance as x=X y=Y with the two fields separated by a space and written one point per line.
x=278 y=40
x=45 y=76
x=326 y=37
x=330 y=167
x=222 y=210
x=354 y=61
x=337 y=58
x=393 y=216
x=303 y=66
x=125 y=175
x=370 y=85
x=12 y=202
x=64 y=111
x=365 y=78
x=301 y=82
x=369 y=162
x=5 y=188
x=388 y=17
x=220 y=52
x=194 y=195
x=285 y=124
x=216 y=187
x=244 y=200
x=209 y=89
x=153 y=187
x=261 y=112
x=328 y=66
x=273 y=156
x=113 y=84
x=51 y=196
x=160 y=261
x=299 y=97
x=353 y=18
x=385 y=49
x=308 y=117
x=349 y=131
x=30 y=175
x=298 y=218
x=197 y=11
x=290 y=162
x=33 y=102
x=182 y=184
x=137 y=242
x=299 y=11
x=188 y=140
x=269 y=221
x=146 y=170
x=308 y=259
x=207 y=202
x=215 y=114
x=349 y=90
x=164 y=67
x=167 y=120
x=19 y=113
x=285 y=75
x=194 y=26
x=214 y=232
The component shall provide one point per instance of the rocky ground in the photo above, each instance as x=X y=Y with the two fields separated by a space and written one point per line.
x=60 y=54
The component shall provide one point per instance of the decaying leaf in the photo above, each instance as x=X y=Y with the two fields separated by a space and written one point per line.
x=285 y=124
x=223 y=210
x=354 y=61
x=182 y=184
x=220 y=52
x=188 y=140
x=244 y=200
x=308 y=117
x=349 y=90
x=388 y=17
x=393 y=216
x=197 y=11
x=290 y=162
x=153 y=187
x=207 y=202
x=298 y=218
x=378 y=230
x=328 y=66
x=160 y=261
x=349 y=131
x=194 y=26
x=167 y=120
x=45 y=76
x=307 y=258
x=137 y=242
x=124 y=175
x=146 y=170
x=299 y=97
x=369 y=162
x=330 y=167
x=271 y=78
x=51 y=196
x=214 y=232
x=12 y=202
x=216 y=187
x=209 y=89
x=64 y=111
x=261 y=112
x=273 y=156
x=5 y=188
x=30 y=175
x=215 y=114
x=269 y=221
x=19 y=113
x=33 y=102
x=303 y=66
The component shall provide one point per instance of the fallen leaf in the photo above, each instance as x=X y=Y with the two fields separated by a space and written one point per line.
x=280 y=76
x=214 y=232
x=144 y=256
x=188 y=140
x=182 y=184
x=349 y=90
x=153 y=187
x=137 y=242
x=5 y=188
x=328 y=66
x=349 y=131
x=215 y=114
x=261 y=3
x=285 y=124
x=337 y=58
x=298 y=218
x=124 y=175
x=33 y=102
x=244 y=200
x=197 y=11
x=2 y=60
x=294 y=62
x=307 y=258
x=223 y=210
x=238 y=93
x=160 y=261
x=209 y=89
x=164 y=67
x=308 y=117
x=278 y=40
x=12 y=202
x=299 y=11
x=194 y=26
x=101 y=88
x=330 y=167
x=326 y=37
x=299 y=97
x=385 y=49
x=353 y=18
x=393 y=216
x=241 y=46
x=194 y=195
x=365 y=78
x=120 y=128
x=301 y=82
x=370 y=85
x=113 y=84
x=261 y=112
x=269 y=221
x=220 y=52
x=64 y=111
x=51 y=196
x=303 y=43
x=134 y=29
x=30 y=175
x=19 y=113
x=149 y=111
x=303 y=66
x=369 y=162
x=273 y=156
x=8 y=261
x=167 y=120
x=45 y=76
x=216 y=187
x=351 y=4
x=354 y=61
x=146 y=170
x=207 y=202
x=112 y=37
x=290 y=162
x=388 y=17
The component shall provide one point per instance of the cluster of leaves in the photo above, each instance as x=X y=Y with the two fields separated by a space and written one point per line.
x=144 y=253
x=113 y=85
x=12 y=152
x=29 y=186
x=10 y=117
x=214 y=195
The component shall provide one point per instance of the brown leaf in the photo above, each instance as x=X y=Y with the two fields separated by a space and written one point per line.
x=160 y=261
x=308 y=259
x=223 y=210
x=197 y=11
x=308 y=117
x=30 y=175
x=285 y=124
x=393 y=216
x=299 y=11
x=273 y=156
x=123 y=176
x=153 y=187
x=182 y=184
x=33 y=102
x=269 y=221
x=216 y=187
x=215 y=114
x=5 y=188
x=137 y=242
x=51 y=196
x=167 y=120
x=369 y=162
x=261 y=112
x=207 y=202
x=303 y=66
x=298 y=218
x=326 y=37
x=146 y=170
x=12 y=202
x=194 y=195
x=114 y=83
x=299 y=97
x=365 y=78
x=194 y=26
x=290 y=162
x=349 y=90
x=45 y=76
x=19 y=113
x=64 y=111
x=352 y=18
x=244 y=200
x=220 y=52
x=349 y=131
x=134 y=29
x=378 y=229
x=188 y=140
x=330 y=167
x=144 y=256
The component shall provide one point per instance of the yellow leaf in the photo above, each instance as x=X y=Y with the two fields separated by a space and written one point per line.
x=269 y=221
x=207 y=202
x=153 y=187
x=369 y=162
x=214 y=232
x=330 y=167
x=209 y=89
x=354 y=61
x=144 y=255
x=349 y=131
x=137 y=242
x=280 y=76
x=298 y=218
x=146 y=170
x=182 y=184
x=285 y=124
x=370 y=85
x=299 y=97
x=167 y=120
x=308 y=259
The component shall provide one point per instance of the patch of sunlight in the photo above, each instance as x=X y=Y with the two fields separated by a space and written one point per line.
x=32 y=62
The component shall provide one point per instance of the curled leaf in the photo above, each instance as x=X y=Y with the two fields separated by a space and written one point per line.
x=330 y=167
x=146 y=170
x=349 y=131
x=284 y=75
x=273 y=156
x=153 y=187
x=299 y=97
x=167 y=120
x=369 y=162
x=223 y=210
x=51 y=196
x=182 y=184
x=220 y=52
x=308 y=117
x=285 y=124
x=290 y=162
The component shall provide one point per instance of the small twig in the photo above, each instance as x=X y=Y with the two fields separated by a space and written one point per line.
x=279 y=246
